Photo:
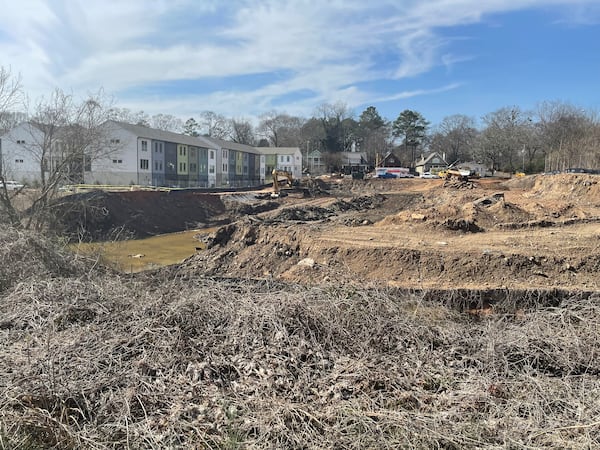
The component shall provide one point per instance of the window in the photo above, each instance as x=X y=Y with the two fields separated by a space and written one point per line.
x=160 y=166
x=211 y=169
x=144 y=164
x=117 y=161
x=19 y=161
x=155 y=165
x=288 y=158
x=224 y=167
x=182 y=167
x=224 y=153
x=212 y=155
x=115 y=141
x=144 y=146
x=20 y=141
x=193 y=167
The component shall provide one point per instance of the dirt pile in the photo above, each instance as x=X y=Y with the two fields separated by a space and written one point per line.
x=574 y=187
x=100 y=215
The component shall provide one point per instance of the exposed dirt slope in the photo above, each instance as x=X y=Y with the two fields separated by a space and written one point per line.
x=100 y=215
x=423 y=234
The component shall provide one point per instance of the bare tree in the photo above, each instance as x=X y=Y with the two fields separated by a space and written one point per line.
x=242 y=132
x=65 y=137
x=455 y=137
x=128 y=116
x=214 y=125
x=569 y=136
x=10 y=96
x=505 y=138
x=167 y=122
x=281 y=130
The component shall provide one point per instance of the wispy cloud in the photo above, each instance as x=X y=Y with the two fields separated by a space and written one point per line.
x=330 y=50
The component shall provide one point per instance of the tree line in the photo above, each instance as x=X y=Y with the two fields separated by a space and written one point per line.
x=555 y=136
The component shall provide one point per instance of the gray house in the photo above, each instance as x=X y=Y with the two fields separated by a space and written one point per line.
x=434 y=162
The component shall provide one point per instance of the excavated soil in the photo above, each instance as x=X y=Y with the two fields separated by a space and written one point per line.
x=537 y=232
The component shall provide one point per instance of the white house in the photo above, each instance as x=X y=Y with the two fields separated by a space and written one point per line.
x=21 y=154
x=284 y=158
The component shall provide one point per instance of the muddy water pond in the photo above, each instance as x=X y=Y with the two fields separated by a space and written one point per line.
x=137 y=255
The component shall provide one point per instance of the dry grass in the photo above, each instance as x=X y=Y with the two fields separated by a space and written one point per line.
x=167 y=360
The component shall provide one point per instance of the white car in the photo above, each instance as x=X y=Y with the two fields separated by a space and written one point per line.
x=428 y=175
x=12 y=185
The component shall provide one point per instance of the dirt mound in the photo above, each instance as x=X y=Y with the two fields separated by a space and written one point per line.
x=100 y=215
x=573 y=187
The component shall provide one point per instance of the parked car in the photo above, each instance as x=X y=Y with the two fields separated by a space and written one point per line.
x=12 y=185
x=428 y=175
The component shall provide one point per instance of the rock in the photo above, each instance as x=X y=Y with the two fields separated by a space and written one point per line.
x=416 y=216
x=306 y=262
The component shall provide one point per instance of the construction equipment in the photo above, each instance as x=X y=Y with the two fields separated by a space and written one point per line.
x=458 y=174
x=277 y=176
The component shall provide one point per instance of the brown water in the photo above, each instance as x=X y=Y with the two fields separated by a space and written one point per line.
x=149 y=253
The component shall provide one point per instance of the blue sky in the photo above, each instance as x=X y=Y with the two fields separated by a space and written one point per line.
x=242 y=58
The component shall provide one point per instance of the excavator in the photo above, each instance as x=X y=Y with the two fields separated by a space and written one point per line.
x=277 y=176
x=457 y=174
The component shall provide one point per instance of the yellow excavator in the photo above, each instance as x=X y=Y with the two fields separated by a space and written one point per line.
x=278 y=176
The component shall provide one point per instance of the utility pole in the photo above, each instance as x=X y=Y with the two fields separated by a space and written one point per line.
x=307 y=148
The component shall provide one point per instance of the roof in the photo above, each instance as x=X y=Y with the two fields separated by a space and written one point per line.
x=278 y=150
x=161 y=135
x=231 y=145
x=354 y=157
x=428 y=158
x=198 y=141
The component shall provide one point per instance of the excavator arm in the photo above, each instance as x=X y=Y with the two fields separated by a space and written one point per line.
x=277 y=175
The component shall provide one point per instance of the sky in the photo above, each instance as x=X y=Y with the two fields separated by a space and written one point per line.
x=244 y=58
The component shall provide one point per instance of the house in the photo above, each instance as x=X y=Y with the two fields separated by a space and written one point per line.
x=354 y=162
x=282 y=158
x=20 y=158
x=390 y=160
x=476 y=168
x=433 y=163
x=315 y=164
x=31 y=148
